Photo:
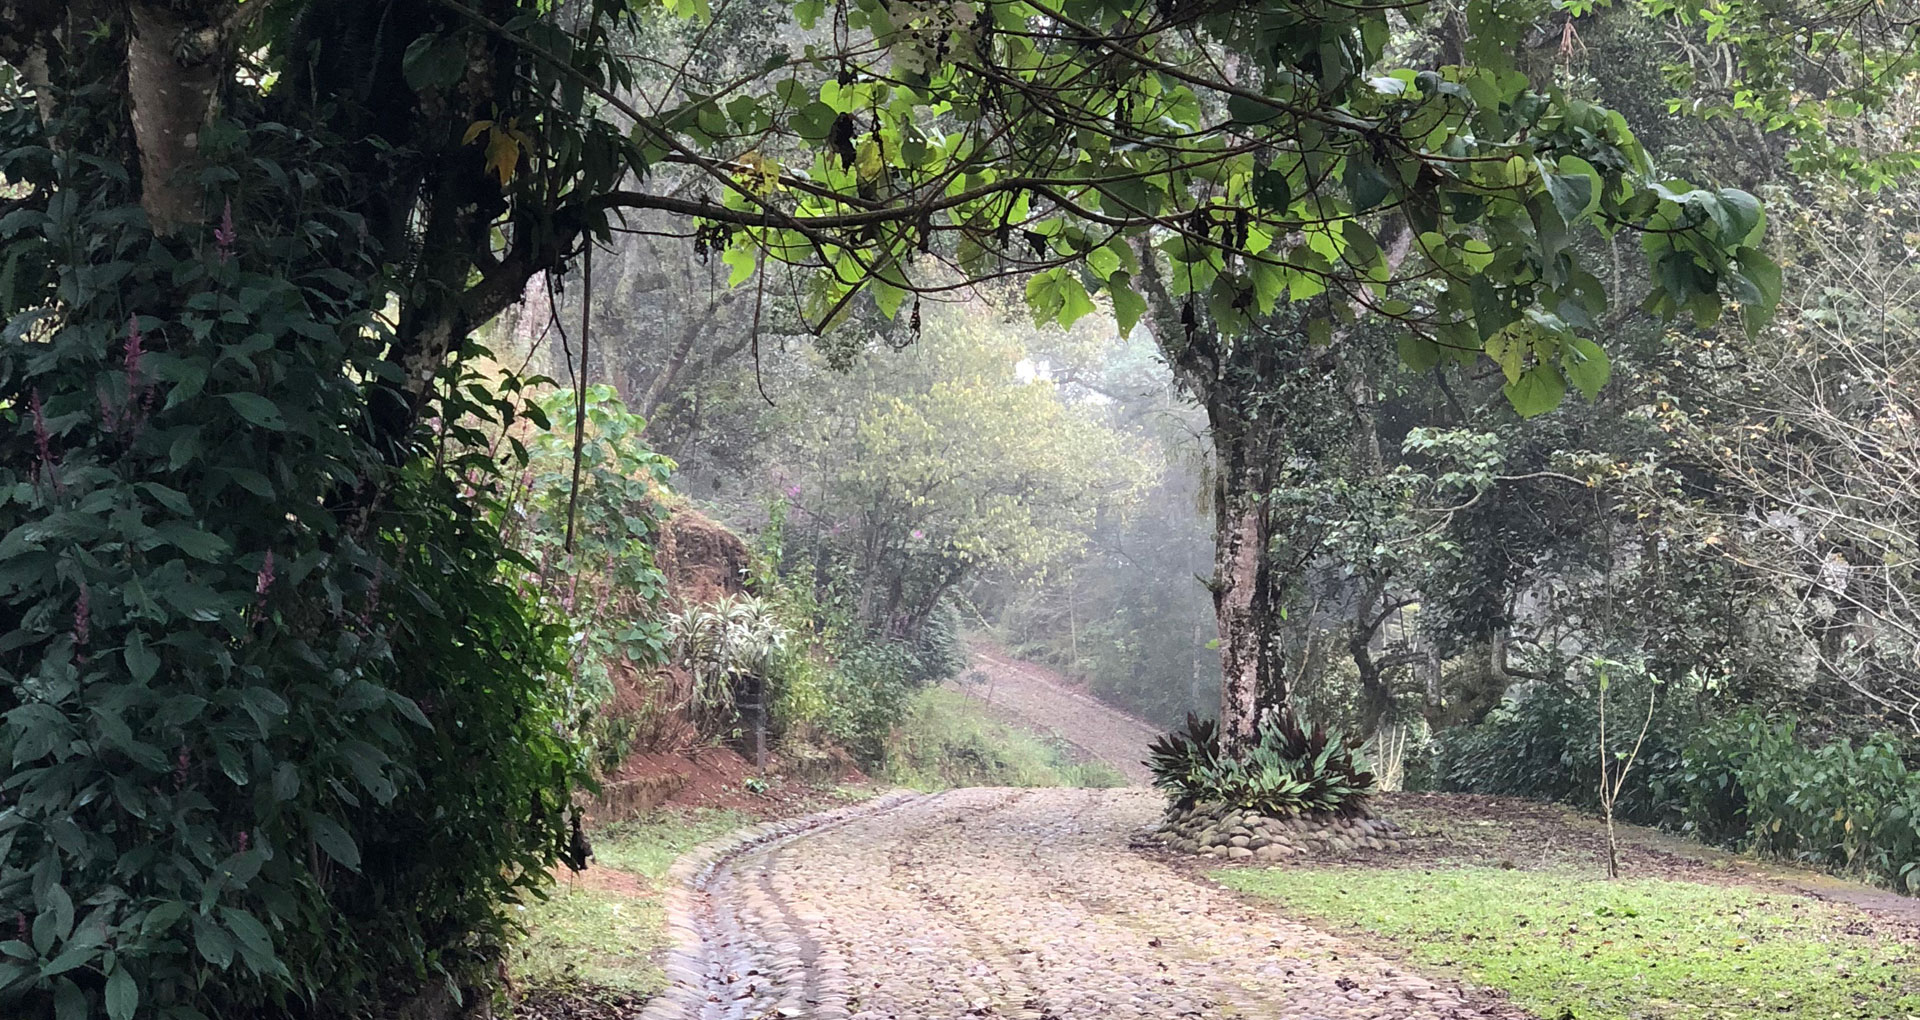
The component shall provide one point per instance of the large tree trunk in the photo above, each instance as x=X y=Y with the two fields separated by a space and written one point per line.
x=1246 y=601
x=173 y=69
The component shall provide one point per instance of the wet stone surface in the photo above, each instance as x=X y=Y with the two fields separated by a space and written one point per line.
x=1009 y=903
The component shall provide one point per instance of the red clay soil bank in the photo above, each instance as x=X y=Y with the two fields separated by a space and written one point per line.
x=703 y=561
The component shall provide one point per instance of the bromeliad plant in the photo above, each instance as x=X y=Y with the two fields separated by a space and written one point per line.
x=1289 y=769
x=718 y=645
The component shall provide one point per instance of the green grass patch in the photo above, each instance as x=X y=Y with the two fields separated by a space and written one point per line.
x=584 y=938
x=648 y=845
x=1571 y=947
x=948 y=740
x=602 y=937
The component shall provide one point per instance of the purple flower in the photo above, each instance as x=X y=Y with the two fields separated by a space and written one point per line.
x=264 y=579
x=223 y=235
x=917 y=533
x=82 y=618
x=793 y=492
x=43 y=444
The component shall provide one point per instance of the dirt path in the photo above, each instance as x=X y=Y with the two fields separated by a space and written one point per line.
x=1014 y=904
x=1038 y=699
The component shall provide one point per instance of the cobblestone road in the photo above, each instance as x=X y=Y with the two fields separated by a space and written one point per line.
x=1010 y=903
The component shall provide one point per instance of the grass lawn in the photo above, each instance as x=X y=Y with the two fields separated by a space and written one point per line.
x=600 y=932
x=1569 y=946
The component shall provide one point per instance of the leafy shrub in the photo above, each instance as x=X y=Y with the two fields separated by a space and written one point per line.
x=1841 y=805
x=1288 y=770
x=719 y=644
x=606 y=584
x=277 y=730
x=1542 y=742
x=1747 y=779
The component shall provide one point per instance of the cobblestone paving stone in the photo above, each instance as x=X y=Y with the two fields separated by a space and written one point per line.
x=1012 y=903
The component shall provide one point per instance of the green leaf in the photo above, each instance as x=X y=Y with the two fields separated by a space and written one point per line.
x=1746 y=221
x=212 y=941
x=434 y=61
x=258 y=410
x=1245 y=110
x=141 y=660
x=1572 y=195
x=195 y=601
x=740 y=262
x=1758 y=272
x=1366 y=185
x=69 y=1002
x=1418 y=352
x=1492 y=312
x=286 y=782
x=814 y=121
x=1271 y=189
x=172 y=499
x=1538 y=390
x=1319 y=331
x=192 y=541
x=333 y=839
x=1128 y=305
x=256 y=946
x=123 y=995
x=1585 y=365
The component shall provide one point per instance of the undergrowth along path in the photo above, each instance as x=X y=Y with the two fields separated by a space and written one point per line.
x=1041 y=700
x=1008 y=903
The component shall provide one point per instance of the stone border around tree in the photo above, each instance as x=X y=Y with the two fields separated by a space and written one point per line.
x=1216 y=830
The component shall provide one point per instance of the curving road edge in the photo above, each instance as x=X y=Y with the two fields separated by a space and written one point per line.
x=712 y=963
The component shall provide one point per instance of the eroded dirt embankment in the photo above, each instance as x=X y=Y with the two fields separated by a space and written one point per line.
x=1040 y=700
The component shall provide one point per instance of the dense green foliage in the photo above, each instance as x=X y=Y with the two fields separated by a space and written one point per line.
x=1290 y=769
x=1567 y=945
x=265 y=695
x=1746 y=779
x=591 y=549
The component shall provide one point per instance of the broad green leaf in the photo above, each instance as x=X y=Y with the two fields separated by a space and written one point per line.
x=1128 y=305
x=142 y=663
x=212 y=941
x=1418 y=352
x=123 y=995
x=434 y=61
x=1367 y=186
x=192 y=541
x=1585 y=365
x=257 y=409
x=333 y=838
x=1538 y=390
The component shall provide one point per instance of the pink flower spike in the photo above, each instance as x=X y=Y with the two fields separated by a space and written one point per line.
x=223 y=235
x=42 y=442
x=82 y=617
x=264 y=580
x=136 y=346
